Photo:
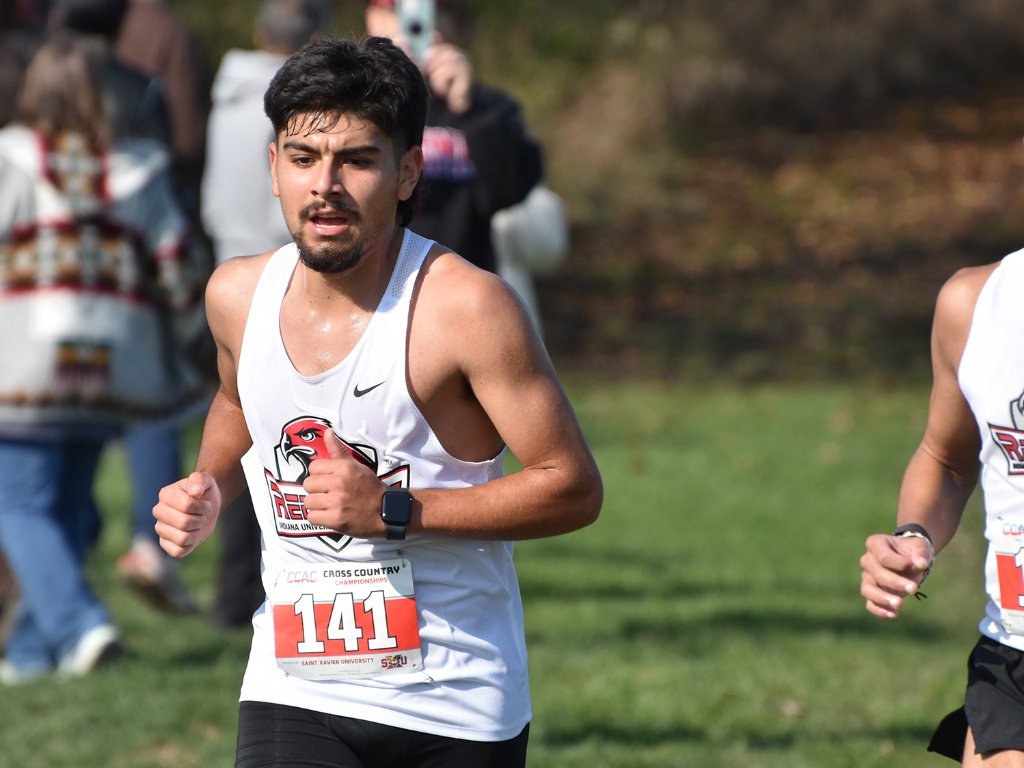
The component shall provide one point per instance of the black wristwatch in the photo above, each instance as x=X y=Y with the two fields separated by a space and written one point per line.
x=396 y=512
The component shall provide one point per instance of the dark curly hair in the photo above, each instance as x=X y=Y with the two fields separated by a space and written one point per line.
x=371 y=79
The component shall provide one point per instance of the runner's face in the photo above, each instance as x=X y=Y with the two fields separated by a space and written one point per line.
x=339 y=189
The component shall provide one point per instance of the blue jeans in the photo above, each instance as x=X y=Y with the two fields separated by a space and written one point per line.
x=48 y=522
x=154 y=459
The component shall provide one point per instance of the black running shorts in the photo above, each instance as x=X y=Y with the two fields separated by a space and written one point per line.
x=275 y=736
x=993 y=704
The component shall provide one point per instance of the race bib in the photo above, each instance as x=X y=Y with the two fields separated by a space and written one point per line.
x=346 y=619
x=1009 y=548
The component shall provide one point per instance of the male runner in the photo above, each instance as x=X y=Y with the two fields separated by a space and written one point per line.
x=372 y=380
x=975 y=413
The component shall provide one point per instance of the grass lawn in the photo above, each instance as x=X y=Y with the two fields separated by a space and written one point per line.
x=711 y=617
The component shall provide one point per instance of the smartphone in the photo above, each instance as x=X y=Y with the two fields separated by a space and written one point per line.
x=416 y=24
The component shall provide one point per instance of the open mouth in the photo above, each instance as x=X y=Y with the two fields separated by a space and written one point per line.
x=329 y=222
x=326 y=219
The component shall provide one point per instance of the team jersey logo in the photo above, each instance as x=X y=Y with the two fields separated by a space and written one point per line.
x=1011 y=439
x=302 y=442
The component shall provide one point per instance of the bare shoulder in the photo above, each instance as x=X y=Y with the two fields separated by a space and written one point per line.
x=234 y=281
x=954 y=311
x=237 y=273
x=229 y=294
x=469 y=323
x=960 y=292
x=460 y=298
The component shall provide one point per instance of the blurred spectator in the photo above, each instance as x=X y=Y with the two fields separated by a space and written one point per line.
x=477 y=155
x=96 y=286
x=133 y=102
x=135 y=105
x=243 y=217
x=158 y=43
x=482 y=171
x=239 y=211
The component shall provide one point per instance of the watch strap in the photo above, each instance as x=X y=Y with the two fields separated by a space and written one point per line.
x=912 y=528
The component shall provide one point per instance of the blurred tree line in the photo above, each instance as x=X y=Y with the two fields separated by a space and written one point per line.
x=758 y=188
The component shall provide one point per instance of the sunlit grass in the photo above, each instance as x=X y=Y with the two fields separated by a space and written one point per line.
x=711 y=617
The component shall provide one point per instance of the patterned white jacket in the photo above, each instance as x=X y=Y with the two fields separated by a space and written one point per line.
x=100 y=286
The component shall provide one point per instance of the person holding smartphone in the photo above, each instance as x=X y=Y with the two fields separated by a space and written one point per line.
x=478 y=157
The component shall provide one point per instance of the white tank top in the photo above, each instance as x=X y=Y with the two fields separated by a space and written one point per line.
x=991 y=376
x=473 y=684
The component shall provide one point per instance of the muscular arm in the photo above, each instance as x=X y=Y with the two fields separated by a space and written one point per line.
x=225 y=435
x=188 y=510
x=481 y=378
x=511 y=377
x=943 y=471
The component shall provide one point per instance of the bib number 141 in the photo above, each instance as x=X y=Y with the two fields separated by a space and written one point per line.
x=342 y=624
x=330 y=622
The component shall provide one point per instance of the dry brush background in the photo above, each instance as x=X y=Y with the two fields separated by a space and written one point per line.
x=759 y=189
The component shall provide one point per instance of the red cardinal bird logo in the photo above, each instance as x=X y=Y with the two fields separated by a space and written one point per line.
x=302 y=442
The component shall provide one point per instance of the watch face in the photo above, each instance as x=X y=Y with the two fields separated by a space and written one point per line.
x=396 y=507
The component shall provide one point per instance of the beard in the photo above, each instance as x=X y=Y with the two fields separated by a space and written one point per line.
x=331 y=257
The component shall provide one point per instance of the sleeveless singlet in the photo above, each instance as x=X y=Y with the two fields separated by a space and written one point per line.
x=991 y=376
x=473 y=684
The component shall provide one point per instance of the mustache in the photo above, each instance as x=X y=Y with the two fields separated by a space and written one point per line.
x=313 y=209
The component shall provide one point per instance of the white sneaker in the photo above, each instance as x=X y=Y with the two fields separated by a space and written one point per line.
x=153 y=574
x=95 y=646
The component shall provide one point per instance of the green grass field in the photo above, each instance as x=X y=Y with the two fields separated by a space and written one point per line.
x=711 y=617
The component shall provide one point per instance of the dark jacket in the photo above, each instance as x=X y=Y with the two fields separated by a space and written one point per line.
x=461 y=193
x=134 y=103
